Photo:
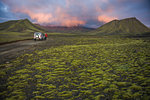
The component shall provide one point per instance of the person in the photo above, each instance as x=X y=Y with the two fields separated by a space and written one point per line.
x=46 y=36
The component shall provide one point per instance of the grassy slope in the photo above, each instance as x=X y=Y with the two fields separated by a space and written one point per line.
x=14 y=36
x=90 y=67
x=129 y=26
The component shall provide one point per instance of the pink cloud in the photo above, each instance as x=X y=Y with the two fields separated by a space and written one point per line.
x=65 y=19
x=59 y=17
x=40 y=17
x=105 y=19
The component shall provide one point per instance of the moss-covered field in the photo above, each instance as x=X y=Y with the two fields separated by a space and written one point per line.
x=85 y=68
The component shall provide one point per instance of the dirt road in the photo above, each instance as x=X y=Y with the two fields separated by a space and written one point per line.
x=13 y=50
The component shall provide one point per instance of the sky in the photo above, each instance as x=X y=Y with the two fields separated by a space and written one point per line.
x=88 y=13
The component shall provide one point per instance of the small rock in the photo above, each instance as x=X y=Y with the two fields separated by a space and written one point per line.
x=7 y=62
x=8 y=65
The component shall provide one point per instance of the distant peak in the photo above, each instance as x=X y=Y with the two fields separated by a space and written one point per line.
x=26 y=19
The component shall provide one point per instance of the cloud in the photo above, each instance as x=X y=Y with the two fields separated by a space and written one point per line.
x=61 y=12
x=105 y=19
x=76 y=12
x=59 y=17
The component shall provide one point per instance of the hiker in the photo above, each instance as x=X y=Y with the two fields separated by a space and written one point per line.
x=45 y=36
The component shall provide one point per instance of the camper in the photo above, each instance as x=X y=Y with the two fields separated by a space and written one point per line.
x=39 y=36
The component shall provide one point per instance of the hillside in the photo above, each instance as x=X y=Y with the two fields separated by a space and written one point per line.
x=128 y=26
x=16 y=30
x=23 y=25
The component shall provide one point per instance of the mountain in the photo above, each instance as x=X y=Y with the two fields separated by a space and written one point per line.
x=23 y=25
x=125 y=26
x=63 y=29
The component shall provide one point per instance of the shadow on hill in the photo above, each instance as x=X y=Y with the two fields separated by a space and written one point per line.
x=145 y=37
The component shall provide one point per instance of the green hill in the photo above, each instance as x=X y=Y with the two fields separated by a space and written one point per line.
x=23 y=25
x=129 y=26
x=15 y=30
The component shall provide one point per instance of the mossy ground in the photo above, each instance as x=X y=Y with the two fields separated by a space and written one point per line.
x=86 y=67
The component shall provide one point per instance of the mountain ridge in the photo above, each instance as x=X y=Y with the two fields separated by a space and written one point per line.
x=63 y=29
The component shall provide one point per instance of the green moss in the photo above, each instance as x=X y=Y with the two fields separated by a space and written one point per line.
x=39 y=97
x=38 y=76
x=98 y=97
x=65 y=94
x=135 y=87
x=122 y=83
